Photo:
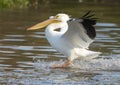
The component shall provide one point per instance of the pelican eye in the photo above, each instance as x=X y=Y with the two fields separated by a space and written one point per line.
x=57 y=16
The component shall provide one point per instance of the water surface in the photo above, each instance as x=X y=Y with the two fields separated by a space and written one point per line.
x=25 y=56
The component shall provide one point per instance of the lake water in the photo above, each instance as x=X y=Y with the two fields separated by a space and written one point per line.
x=25 y=56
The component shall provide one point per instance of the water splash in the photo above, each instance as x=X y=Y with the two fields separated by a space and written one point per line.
x=45 y=65
x=102 y=63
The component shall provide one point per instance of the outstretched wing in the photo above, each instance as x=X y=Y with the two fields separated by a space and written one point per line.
x=81 y=32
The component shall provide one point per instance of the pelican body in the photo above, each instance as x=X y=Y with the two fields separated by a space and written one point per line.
x=73 y=38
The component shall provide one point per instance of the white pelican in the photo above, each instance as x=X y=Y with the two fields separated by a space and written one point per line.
x=70 y=36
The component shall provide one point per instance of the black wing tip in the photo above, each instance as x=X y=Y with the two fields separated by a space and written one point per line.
x=89 y=17
x=88 y=21
x=88 y=14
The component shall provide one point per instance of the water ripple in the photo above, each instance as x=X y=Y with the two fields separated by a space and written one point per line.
x=106 y=24
x=13 y=40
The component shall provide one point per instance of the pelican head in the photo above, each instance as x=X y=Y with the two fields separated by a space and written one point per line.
x=61 y=17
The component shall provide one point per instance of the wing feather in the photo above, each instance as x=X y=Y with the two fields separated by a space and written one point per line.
x=81 y=32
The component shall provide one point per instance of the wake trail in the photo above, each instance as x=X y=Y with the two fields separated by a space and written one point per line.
x=92 y=64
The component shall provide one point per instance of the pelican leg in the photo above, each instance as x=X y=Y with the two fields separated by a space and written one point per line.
x=63 y=65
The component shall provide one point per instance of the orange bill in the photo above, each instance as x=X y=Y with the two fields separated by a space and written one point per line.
x=43 y=24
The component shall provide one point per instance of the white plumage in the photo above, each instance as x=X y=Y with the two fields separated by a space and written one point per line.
x=73 y=38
